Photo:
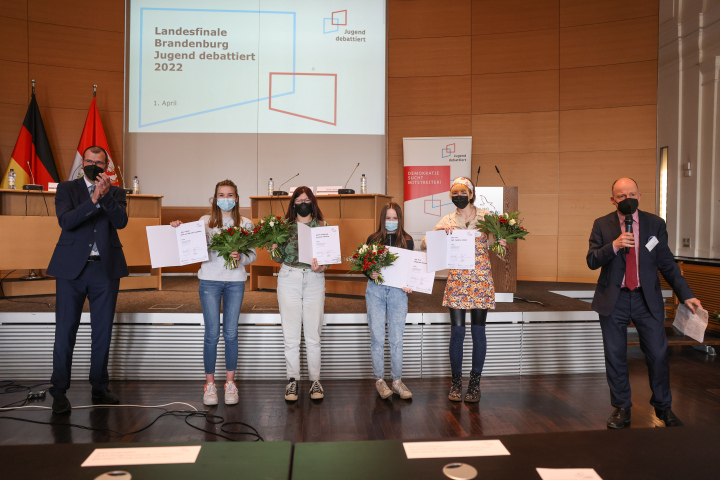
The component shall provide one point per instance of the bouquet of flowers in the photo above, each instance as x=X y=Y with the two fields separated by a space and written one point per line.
x=269 y=230
x=507 y=226
x=370 y=258
x=229 y=240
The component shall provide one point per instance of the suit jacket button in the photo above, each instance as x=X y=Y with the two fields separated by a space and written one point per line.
x=95 y=231
x=90 y=245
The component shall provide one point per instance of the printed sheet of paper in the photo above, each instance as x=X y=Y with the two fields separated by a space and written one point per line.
x=456 y=250
x=171 y=247
x=322 y=243
x=409 y=270
x=106 y=457
x=691 y=324
x=328 y=190
x=454 y=449
x=568 y=474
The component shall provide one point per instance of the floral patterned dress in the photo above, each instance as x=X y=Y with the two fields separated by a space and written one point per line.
x=470 y=288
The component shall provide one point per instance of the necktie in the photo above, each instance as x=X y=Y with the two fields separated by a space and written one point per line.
x=631 y=281
x=92 y=189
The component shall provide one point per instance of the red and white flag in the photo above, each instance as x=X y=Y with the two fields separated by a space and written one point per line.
x=92 y=134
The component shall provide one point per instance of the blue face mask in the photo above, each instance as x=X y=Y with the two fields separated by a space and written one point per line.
x=391 y=226
x=226 y=204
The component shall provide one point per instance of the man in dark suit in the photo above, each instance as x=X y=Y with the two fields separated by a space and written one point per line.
x=88 y=262
x=628 y=289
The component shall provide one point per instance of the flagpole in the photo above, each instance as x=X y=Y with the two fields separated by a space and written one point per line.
x=33 y=86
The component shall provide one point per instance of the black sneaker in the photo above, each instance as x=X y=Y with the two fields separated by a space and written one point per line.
x=61 y=404
x=104 y=397
x=291 y=391
x=316 y=391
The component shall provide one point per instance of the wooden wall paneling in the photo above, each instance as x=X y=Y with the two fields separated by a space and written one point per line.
x=532 y=173
x=425 y=126
x=582 y=12
x=63 y=126
x=113 y=125
x=623 y=128
x=515 y=132
x=11 y=120
x=539 y=213
x=14 y=39
x=106 y=15
x=396 y=178
x=5 y=154
x=64 y=87
x=620 y=85
x=429 y=95
x=515 y=52
x=588 y=173
x=578 y=212
x=64 y=158
x=429 y=57
x=515 y=92
x=491 y=16
x=73 y=47
x=571 y=262
x=14 y=9
x=537 y=258
x=609 y=43
x=14 y=82
x=428 y=18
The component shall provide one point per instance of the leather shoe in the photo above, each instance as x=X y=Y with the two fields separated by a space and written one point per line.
x=105 y=397
x=668 y=417
x=61 y=404
x=620 y=418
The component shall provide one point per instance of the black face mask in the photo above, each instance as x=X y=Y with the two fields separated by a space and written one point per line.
x=628 y=206
x=92 y=172
x=304 y=209
x=461 y=201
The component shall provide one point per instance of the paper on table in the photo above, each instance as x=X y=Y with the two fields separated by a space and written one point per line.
x=691 y=324
x=322 y=243
x=453 y=449
x=328 y=190
x=456 y=250
x=568 y=474
x=170 y=246
x=105 y=457
x=409 y=270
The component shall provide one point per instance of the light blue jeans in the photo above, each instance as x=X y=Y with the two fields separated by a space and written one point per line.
x=231 y=293
x=386 y=305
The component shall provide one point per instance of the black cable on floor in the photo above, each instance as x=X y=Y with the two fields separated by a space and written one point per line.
x=2 y=294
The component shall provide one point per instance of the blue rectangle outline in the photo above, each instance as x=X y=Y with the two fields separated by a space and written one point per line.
x=294 y=14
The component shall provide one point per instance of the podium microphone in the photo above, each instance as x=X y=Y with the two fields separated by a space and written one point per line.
x=477 y=176
x=278 y=193
x=348 y=191
x=501 y=178
x=31 y=186
x=628 y=228
x=128 y=191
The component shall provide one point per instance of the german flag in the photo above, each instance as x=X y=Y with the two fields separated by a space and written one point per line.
x=31 y=158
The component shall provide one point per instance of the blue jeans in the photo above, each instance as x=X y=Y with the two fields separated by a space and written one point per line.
x=386 y=304
x=232 y=296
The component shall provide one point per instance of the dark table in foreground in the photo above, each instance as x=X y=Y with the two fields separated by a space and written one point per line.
x=236 y=460
x=652 y=453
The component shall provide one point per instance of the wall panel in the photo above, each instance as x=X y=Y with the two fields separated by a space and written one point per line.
x=64 y=87
x=429 y=18
x=582 y=12
x=515 y=52
x=425 y=126
x=14 y=82
x=106 y=15
x=515 y=92
x=586 y=173
x=11 y=119
x=515 y=132
x=625 y=128
x=571 y=259
x=429 y=95
x=14 y=8
x=13 y=38
x=537 y=258
x=491 y=16
x=532 y=173
x=429 y=57
x=539 y=214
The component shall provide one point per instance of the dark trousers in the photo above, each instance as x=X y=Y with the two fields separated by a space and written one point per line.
x=93 y=284
x=653 y=343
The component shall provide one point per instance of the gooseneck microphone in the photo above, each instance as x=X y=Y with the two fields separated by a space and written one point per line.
x=628 y=228
x=501 y=178
x=477 y=176
x=278 y=193
x=345 y=190
x=31 y=186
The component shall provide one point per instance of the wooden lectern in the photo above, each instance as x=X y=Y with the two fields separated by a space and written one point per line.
x=29 y=231
x=357 y=216
x=505 y=272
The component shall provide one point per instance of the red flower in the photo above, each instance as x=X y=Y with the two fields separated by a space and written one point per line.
x=503 y=220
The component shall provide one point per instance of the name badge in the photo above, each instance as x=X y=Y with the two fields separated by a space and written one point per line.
x=652 y=242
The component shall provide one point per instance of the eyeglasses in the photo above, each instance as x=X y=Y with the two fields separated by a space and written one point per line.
x=300 y=202
x=97 y=163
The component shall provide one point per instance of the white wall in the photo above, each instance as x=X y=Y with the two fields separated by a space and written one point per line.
x=689 y=122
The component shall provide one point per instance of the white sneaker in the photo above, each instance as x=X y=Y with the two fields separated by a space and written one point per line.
x=210 y=395
x=231 y=393
x=316 y=391
x=383 y=389
x=291 y=391
x=399 y=387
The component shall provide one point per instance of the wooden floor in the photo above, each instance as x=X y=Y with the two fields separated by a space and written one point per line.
x=352 y=410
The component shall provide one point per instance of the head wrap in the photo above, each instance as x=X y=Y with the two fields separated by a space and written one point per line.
x=462 y=183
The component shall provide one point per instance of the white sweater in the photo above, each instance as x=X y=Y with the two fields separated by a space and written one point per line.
x=213 y=268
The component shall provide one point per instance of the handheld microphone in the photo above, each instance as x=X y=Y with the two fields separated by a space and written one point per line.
x=628 y=228
x=348 y=191
x=501 y=178
x=477 y=176
x=31 y=186
x=278 y=193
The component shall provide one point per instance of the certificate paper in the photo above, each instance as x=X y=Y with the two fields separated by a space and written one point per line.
x=454 y=449
x=106 y=457
x=568 y=474
x=456 y=250
x=322 y=243
x=170 y=246
x=409 y=270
